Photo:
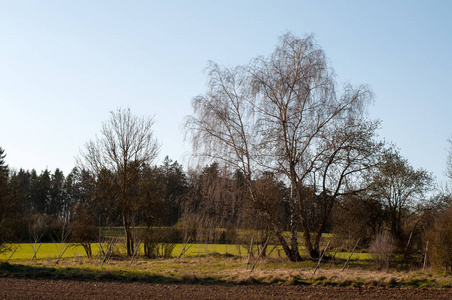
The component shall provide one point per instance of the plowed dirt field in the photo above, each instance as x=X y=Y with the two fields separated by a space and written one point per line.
x=12 y=288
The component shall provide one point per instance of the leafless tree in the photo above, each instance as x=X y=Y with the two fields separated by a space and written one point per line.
x=272 y=116
x=399 y=187
x=38 y=225
x=126 y=143
x=356 y=216
x=348 y=154
x=83 y=229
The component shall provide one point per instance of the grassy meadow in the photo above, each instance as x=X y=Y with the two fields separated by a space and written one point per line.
x=209 y=263
x=52 y=251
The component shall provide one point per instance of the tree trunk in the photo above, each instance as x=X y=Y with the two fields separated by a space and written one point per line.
x=313 y=251
x=129 y=238
x=293 y=226
x=292 y=254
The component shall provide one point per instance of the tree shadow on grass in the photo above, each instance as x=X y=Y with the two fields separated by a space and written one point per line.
x=80 y=274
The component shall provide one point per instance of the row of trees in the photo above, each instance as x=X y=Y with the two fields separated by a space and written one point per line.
x=80 y=202
x=211 y=198
x=282 y=148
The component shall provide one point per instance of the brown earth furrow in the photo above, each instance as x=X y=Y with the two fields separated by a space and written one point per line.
x=12 y=288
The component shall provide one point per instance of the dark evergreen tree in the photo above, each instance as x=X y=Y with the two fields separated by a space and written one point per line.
x=175 y=183
x=6 y=204
x=57 y=206
x=40 y=191
x=3 y=166
x=20 y=183
x=162 y=189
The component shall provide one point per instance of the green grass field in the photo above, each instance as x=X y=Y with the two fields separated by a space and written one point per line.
x=47 y=250
x=52 y=250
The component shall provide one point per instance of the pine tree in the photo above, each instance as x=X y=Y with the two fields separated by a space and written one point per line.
x=3 y=166
x=5 y=203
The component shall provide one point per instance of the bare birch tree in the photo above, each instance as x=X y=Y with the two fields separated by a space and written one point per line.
x=126 y=143
x=271 y=116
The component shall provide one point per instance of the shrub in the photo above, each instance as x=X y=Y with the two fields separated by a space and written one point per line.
x=228 y=236
x=382 y=248
x=82 y=228
x=440 y=238
x=160 y=241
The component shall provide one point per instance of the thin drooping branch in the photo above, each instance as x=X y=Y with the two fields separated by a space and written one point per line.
x=281 y=114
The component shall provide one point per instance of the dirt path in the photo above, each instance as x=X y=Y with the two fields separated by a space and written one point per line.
x=11 y=288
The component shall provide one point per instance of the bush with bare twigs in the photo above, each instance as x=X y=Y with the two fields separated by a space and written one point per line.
x=382 y=248
x=440 y=249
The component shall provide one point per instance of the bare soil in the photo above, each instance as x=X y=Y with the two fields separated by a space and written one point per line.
x=15 y=288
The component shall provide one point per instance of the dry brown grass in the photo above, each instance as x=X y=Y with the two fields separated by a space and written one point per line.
x=231 y=270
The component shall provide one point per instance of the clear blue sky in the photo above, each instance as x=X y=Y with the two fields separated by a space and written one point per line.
x=65 y=64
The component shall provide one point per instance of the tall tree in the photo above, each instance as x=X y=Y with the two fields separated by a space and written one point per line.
x=126 y=143
x=3 y=166
x=21 y=190
x=6 y=203
x=40 y=191
x=272 y=116
x=80 y=187
x=399 y=187
x=58 y=196
x=175 y=183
